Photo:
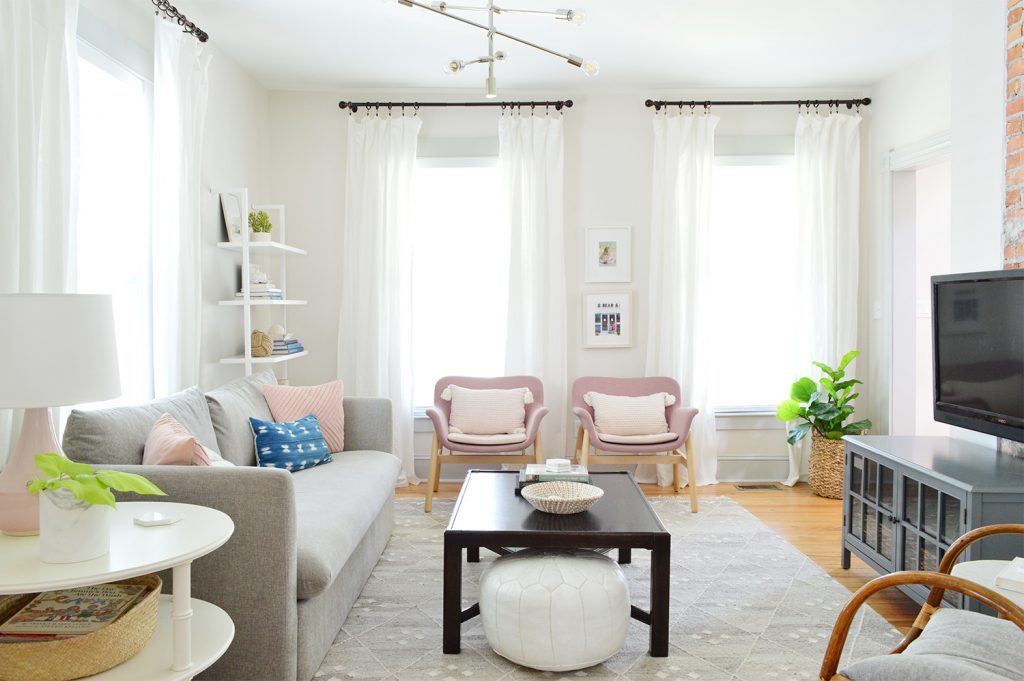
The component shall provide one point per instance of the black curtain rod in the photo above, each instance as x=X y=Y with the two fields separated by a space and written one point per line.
x=354 y=106
x=171 y=12
x=850 y=103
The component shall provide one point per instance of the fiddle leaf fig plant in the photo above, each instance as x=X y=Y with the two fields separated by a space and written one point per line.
x=92 y=487
x=823 y=406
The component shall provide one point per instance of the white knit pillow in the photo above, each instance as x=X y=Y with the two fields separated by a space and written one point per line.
x=487 y=412
x=622 y=415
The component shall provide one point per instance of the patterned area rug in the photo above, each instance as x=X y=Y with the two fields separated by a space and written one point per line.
x=746 y=606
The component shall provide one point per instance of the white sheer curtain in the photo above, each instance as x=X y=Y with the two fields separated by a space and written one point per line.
x=38 y=139
x=531 y=157
x=179 y=111
x=679 y=329
x=374 y=327
x=827 y=150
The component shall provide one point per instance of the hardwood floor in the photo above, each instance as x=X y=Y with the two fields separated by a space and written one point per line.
x=808 y=522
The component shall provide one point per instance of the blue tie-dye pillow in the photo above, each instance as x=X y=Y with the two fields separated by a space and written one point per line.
x=292 y=445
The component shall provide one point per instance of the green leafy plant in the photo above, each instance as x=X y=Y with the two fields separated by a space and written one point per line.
x=92 y=487
x=260 y=222
x=825 y=405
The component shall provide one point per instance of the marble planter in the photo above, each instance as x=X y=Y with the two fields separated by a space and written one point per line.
x=71 y=530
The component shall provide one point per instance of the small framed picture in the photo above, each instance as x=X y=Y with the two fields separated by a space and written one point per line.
x=608 y=255
x=234 y=204
x=608 y=319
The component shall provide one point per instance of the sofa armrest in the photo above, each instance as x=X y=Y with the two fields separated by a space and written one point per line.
x=368 y=423
x=252 y=576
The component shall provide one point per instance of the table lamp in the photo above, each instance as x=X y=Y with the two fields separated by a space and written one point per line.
x=57 y=350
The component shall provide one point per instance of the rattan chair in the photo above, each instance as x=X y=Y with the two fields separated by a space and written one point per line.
x=939 y=582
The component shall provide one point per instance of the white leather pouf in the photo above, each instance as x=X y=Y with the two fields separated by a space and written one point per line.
x=555 y=610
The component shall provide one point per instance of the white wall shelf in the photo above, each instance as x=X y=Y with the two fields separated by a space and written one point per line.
x=262 y=247
x=247 y=249
x=273 y=359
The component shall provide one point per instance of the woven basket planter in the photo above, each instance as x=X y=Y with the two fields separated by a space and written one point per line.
x=826 y=466
x=85 y=655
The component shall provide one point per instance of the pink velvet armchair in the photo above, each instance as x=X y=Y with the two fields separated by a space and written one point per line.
x=679 y=420
x=481 y=453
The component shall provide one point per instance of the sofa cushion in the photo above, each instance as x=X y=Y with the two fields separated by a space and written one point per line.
x=335 y=503
x=290 y=402
x=170 y=444
x=118 y=435
x=231 y=405
x=957 y=645
x=291 y=445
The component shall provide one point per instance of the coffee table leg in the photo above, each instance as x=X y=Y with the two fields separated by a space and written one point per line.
x=452 y=606
x=472 y=554
x=660 y=573
x=625 y=556
x=181 y=616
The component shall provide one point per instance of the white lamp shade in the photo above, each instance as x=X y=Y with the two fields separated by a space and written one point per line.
x=57 y=349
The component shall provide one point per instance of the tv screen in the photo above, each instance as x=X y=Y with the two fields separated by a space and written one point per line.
x=978 y=336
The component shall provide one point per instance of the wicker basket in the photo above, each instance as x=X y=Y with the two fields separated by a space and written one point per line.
x=561 y=496
x=85 y=655
x=826 y=466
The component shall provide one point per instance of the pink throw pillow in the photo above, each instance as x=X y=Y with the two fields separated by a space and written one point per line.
x=290 y=403
x=170 y=444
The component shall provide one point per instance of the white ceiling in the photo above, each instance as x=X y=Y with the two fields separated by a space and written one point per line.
x=644 y=44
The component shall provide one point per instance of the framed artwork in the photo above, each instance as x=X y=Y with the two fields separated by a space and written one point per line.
x=608 y=319
x=233 y=203
x=608 y=255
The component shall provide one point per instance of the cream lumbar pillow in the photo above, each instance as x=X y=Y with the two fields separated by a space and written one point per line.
x=487 y=412
x=623 y=415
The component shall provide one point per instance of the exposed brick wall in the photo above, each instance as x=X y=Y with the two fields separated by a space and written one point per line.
x=1013 y=218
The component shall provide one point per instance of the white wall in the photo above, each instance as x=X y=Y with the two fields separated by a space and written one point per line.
x=234 y=153
x=608 y=156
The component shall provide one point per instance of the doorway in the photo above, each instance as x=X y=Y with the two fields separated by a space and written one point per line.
x=920 y=249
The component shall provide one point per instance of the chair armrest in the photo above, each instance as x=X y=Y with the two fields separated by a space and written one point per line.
x=533 y=420
x=681 y=419
x=440 y=421
x=368 y=424
x=587 y=421
x=1002 y=605
x=253 y=575
x=961 y=544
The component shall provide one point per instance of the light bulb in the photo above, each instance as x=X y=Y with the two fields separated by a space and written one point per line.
x=452 y=66
x=591 y=68
x=576 y=16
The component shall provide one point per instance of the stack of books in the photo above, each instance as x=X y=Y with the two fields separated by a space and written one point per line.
x=287 y=346
x=70 y=612
x=539 y=472
x=266 y=291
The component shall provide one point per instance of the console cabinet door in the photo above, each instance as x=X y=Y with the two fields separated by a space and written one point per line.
x=931 y=517
x=871 y=506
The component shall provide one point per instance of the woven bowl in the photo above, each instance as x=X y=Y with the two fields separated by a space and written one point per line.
x=85 y=655
x=561 y=496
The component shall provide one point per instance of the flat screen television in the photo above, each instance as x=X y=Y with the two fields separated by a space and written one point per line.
x=978 y=351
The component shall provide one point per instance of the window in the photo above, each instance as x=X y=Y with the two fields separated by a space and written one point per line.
x=112 y=249
x=754 y=299
x=460 y=273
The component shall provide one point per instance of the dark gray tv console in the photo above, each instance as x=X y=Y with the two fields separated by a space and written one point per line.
x=906 y=499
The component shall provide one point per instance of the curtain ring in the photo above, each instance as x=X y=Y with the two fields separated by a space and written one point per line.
x=389 y=111
x=707 y=107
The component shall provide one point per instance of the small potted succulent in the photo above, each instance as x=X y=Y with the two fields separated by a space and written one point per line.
x=74 y=507
x=259 y=225
x=822 y=409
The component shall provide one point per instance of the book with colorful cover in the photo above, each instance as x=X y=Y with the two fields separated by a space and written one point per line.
x=72 y=611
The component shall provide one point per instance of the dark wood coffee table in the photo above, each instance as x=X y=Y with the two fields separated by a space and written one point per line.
x=489 y=515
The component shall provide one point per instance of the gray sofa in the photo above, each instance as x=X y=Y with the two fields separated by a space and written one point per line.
x=304 y=543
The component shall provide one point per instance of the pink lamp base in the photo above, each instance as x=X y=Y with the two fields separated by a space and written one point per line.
x=19 y=510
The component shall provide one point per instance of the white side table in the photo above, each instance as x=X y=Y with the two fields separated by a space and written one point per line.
x=984 y=572
x=190 y=634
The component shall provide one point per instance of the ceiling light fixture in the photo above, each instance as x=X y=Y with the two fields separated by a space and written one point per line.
x=454 y=65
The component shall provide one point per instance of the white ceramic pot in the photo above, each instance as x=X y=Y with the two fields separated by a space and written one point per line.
x=259 y=236
x=71 y=530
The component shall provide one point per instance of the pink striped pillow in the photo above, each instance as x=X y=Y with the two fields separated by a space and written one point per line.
x=291 y=403
x=170 y=444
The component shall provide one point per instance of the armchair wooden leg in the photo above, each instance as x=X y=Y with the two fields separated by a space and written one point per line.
x=579 y=442
x=675 y=475
x=538 y=451
x=585 y=448
x=691 y=475
x=437 y=469
x=432 y=475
